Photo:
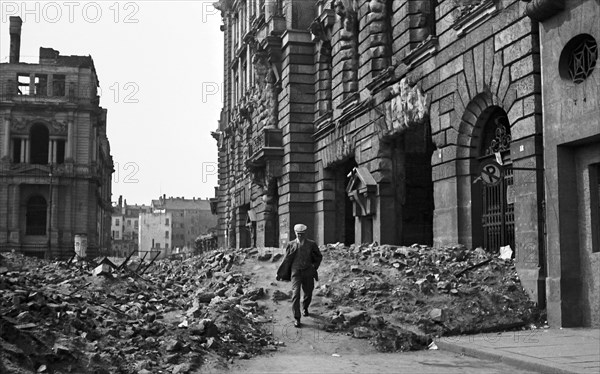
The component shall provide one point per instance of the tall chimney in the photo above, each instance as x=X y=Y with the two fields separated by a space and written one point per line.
x=15 y=39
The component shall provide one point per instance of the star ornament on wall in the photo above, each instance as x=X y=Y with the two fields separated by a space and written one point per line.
x=583 y=60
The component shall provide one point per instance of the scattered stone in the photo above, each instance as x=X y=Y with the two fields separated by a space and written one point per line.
x=355 y=316
x=279 y=295
x=437 y=315
x=362 y=332
x=265 y=256
x=181 y=368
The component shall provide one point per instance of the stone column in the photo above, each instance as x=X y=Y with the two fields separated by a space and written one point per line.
x=68 y=150
x=6 y=145
x=27 y=151
x=23 y=155
x=13 y=223
x=73 y=138
x=387 y=228
x=50 y=143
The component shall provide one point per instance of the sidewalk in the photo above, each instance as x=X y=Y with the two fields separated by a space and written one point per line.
x=544 y=350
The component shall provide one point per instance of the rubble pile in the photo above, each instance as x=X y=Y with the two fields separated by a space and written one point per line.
x=60 y=317
x=400 y=296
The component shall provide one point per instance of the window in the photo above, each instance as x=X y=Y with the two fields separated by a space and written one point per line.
x=23 y=84
x=41 y=84
x=129 y=223
x=40 y=138
x=158 y=245
x=18 y=150
x=166 y=235
x=117 y=222
x=167 y=222
x=58 y=85
x=36 y=216
x=135 y=224
x=578 y=58
x=116 y=235
x=58 y=154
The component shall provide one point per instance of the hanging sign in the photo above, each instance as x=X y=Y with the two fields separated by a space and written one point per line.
x=490 y=173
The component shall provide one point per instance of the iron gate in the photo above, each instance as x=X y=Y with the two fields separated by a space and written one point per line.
x=498 y=216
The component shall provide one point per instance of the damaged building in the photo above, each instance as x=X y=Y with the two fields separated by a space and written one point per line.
x=56 y=166
x=418 y=121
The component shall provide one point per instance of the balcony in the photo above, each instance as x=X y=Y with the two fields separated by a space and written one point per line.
x=267 y=145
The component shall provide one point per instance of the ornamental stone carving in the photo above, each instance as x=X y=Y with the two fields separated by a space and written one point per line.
x=408 y=107
x=23 y=126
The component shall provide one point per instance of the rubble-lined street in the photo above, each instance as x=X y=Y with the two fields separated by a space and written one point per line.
x=217 y=309
x=177 y=317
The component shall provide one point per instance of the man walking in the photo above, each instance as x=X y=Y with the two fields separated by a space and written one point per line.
x=300 y=264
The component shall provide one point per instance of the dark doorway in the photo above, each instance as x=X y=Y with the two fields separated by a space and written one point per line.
x=36 y=216
x=39 y=136
x=344 y=217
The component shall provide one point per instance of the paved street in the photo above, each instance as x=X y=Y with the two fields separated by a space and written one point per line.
x=410 y=362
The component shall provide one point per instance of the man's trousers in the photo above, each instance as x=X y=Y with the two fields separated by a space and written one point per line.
x=302 y=278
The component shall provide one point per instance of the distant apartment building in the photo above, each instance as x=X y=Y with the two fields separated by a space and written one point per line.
x=155 y=234
x=125 y=227
x=191 y=219
x=55 y=161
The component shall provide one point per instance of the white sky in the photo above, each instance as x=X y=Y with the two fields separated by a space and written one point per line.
x=167 y=56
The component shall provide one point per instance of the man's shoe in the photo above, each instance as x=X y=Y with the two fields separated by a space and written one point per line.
x=297 y=324
x=305 y=313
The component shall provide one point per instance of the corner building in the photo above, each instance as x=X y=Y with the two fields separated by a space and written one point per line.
x=378 y=121
x=55 y=161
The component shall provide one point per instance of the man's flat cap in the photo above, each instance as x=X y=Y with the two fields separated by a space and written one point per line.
x=300 y=228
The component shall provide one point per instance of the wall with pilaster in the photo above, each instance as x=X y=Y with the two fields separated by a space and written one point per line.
x=571 y=145
x=296 y=114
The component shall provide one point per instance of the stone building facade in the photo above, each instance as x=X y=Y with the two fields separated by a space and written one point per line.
x=125 y=227
x=385 y=121
x=155 y=235
x=55 y=165
x=569 y=33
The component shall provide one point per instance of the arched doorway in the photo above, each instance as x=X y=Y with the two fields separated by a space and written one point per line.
x=39 y=136
x=493 y=205
x=36 y=216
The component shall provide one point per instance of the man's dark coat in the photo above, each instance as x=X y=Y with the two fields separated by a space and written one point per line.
x=285 y=269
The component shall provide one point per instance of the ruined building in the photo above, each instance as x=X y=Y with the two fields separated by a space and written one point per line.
x=191 y=218
x=55 y=165
x=417 y=121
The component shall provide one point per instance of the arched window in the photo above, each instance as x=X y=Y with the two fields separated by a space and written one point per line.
x=496 y=133
x=39 y=136
x=36 y=216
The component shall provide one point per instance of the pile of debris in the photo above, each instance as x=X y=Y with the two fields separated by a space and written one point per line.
x=106 y=318
x=402 y=296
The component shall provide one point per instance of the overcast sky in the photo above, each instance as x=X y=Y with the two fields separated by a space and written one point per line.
x=160 y=66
